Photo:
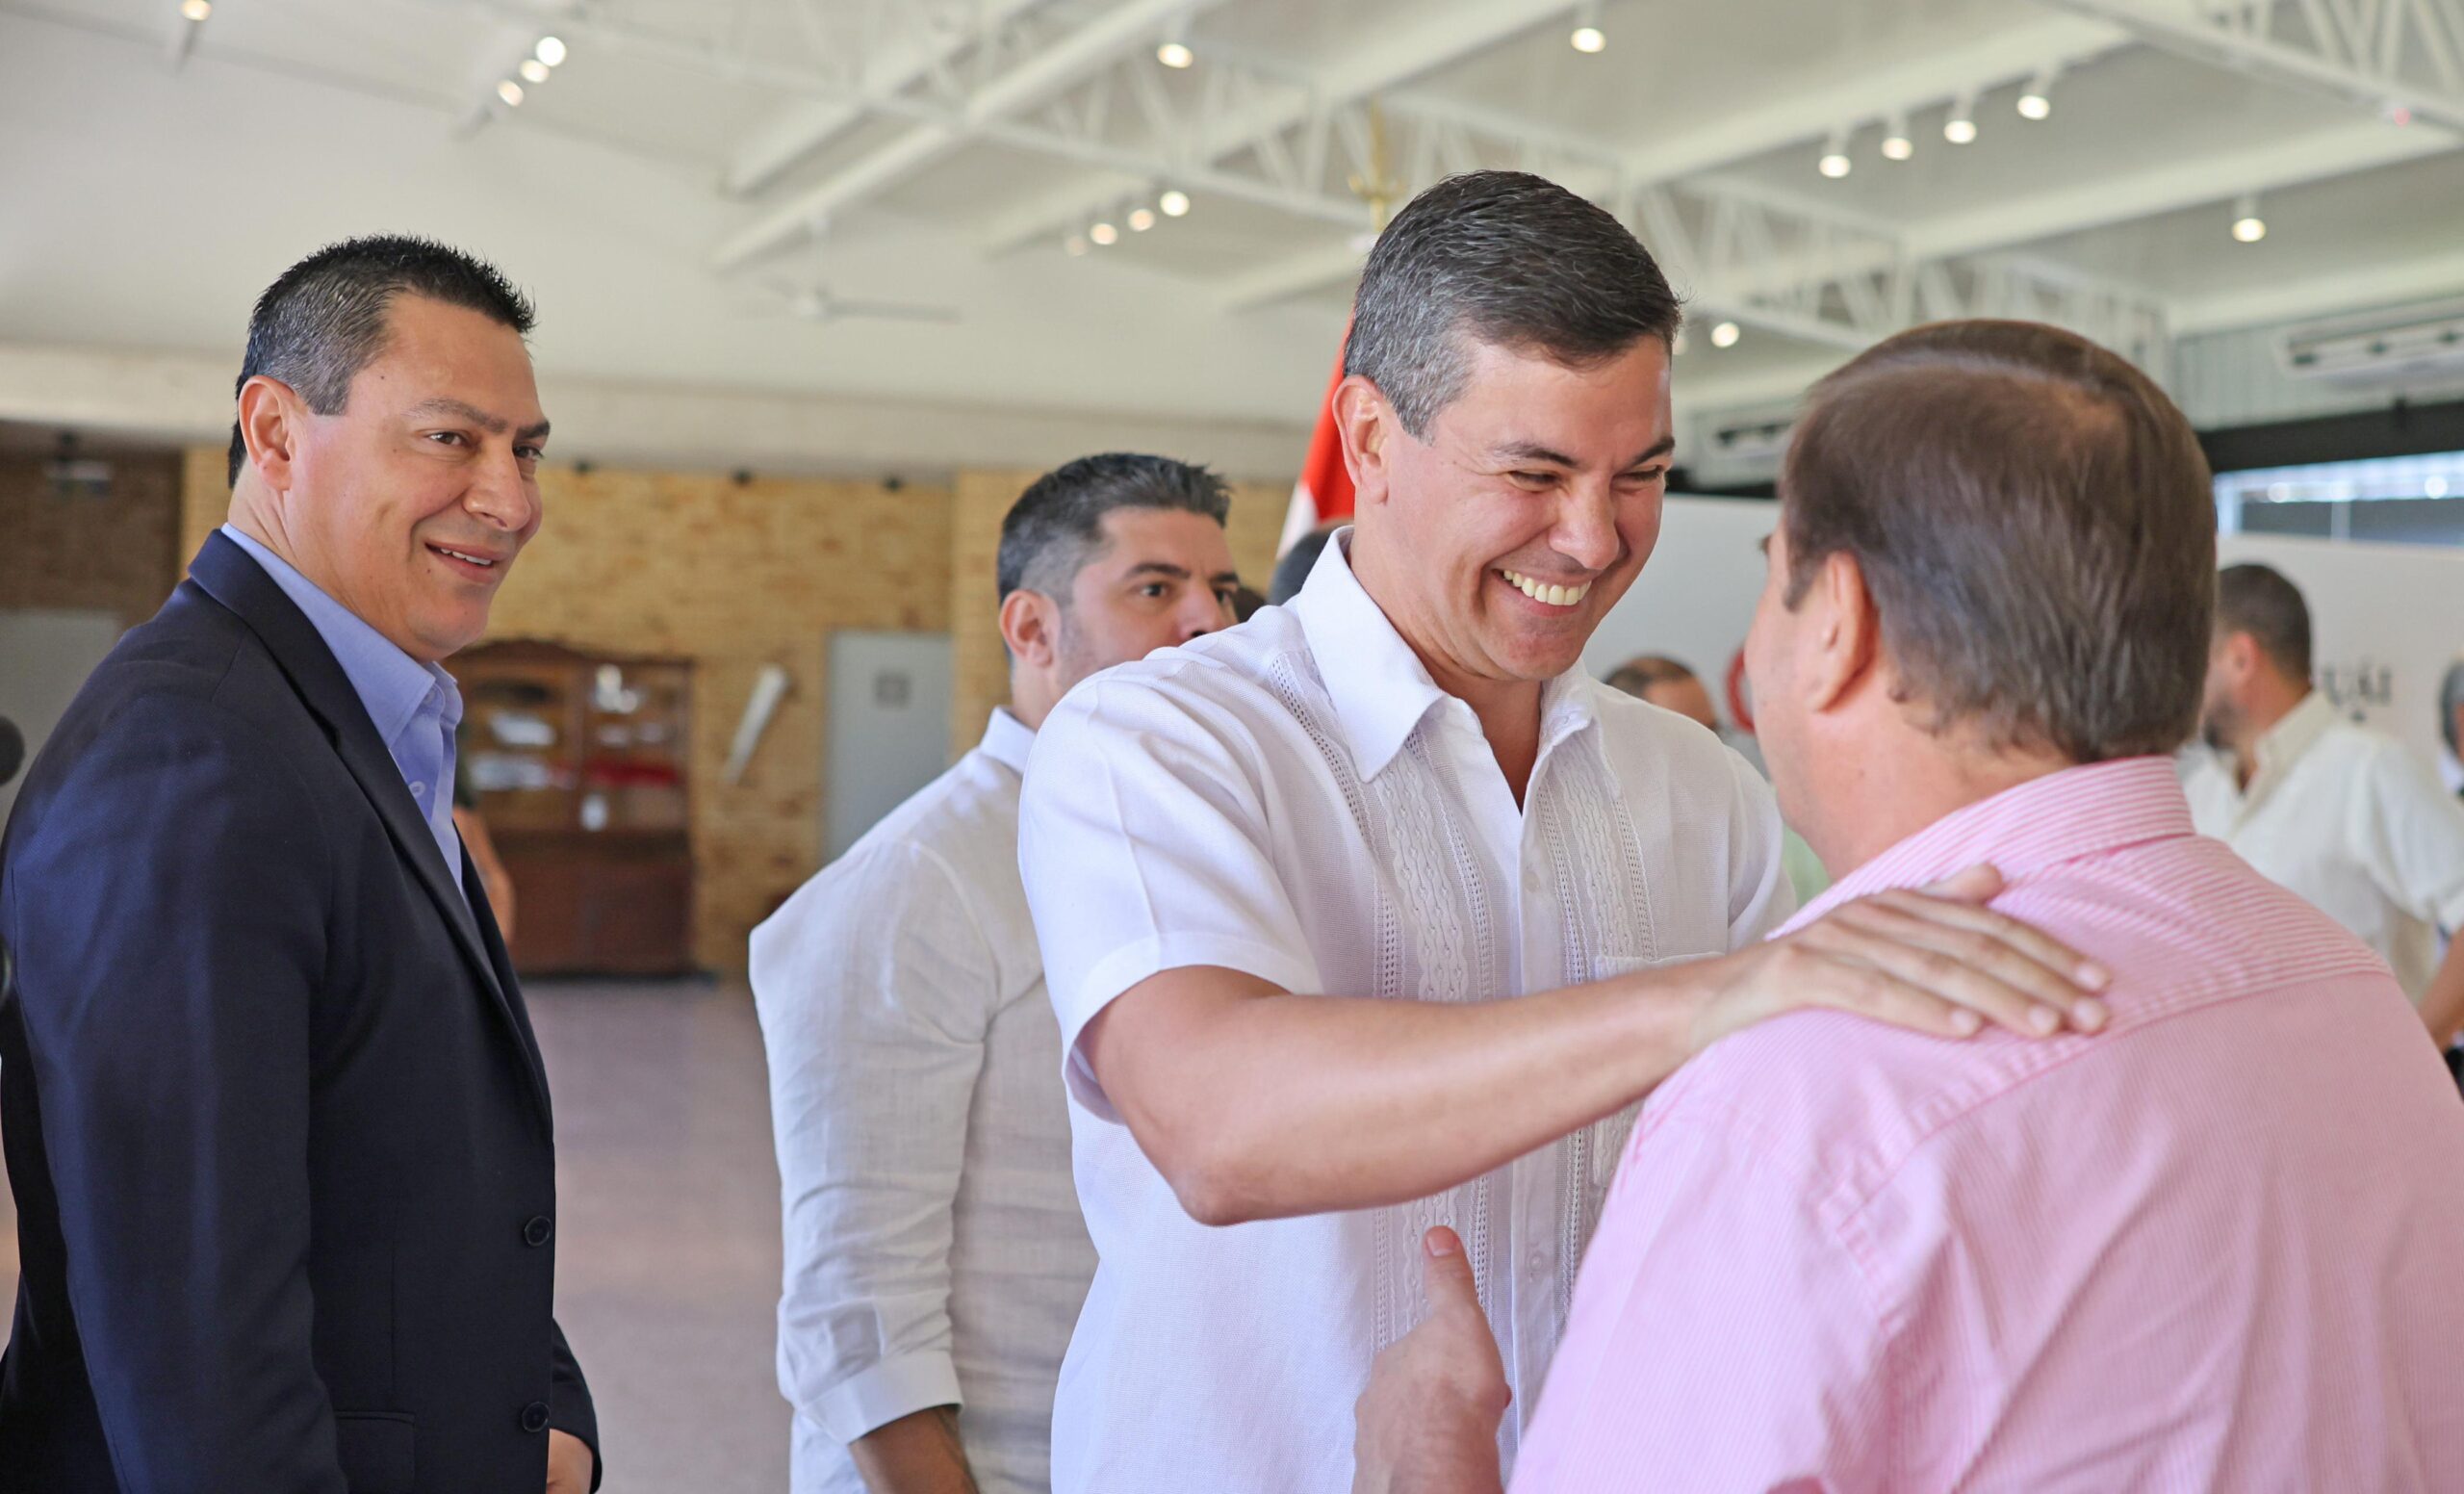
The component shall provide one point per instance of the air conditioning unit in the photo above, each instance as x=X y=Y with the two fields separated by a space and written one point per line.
x=1736 y=446
x=2417 y=345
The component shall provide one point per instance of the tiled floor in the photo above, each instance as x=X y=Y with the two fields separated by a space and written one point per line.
x=667 y=1255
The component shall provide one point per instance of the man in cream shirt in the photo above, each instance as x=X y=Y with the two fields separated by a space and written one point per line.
x=2333 y=810
x=1285 y=879
x=935 y=1257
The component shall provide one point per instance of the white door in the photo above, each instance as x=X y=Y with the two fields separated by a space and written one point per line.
x=890 y=727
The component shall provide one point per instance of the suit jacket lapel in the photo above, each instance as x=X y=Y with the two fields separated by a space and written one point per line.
x=231 y=577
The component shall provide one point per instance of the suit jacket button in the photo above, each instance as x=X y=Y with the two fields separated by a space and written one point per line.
x=539 y=1231
x=534 y=1416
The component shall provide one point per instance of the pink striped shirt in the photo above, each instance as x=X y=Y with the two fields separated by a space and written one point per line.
x=2219 y=1245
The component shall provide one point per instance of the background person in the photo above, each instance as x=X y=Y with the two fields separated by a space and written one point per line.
x=934 y=1256
x=2332 y=809
x=278 y=1133
x=1377 y=912
x=1843 y=1256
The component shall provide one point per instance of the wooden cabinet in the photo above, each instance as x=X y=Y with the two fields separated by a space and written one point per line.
x=579 y=763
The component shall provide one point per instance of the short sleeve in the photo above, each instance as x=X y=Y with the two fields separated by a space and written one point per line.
x=1144 y=843
x=1710 y=1299
x=2419 y=829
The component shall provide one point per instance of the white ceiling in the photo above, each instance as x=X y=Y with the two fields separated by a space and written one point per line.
x=695 y=162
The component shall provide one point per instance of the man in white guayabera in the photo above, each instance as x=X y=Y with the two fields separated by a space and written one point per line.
x=1375 y=913
x=934 y=1259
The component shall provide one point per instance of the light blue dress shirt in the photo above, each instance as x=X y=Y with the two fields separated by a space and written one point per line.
x=413 y=707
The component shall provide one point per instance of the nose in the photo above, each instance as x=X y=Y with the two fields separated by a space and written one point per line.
x=1587 y=527
x=501 y=496
x=1202 y=612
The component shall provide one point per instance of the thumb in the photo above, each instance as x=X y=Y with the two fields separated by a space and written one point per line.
x=1446 y=1274
x=1978 y=884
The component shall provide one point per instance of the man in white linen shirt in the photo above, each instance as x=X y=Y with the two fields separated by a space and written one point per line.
x=934 y=1255
x=1400 y=786
x=2335 y=811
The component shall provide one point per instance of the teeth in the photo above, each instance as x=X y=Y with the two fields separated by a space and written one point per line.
x=1542 y=591
x=460 y=556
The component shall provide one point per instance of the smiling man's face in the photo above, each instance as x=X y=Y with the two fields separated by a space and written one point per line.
x=410 y=503
x=1507 y=533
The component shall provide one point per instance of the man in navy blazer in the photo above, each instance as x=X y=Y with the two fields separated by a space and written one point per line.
x=276 y=1121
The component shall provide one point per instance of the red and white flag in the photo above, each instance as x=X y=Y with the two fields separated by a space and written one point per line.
x=1323 y=493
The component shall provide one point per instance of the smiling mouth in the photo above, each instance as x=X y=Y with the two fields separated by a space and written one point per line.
x=1542 y=591
x=464 y=557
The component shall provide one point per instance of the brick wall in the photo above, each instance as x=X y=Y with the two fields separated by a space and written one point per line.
x=116 y=553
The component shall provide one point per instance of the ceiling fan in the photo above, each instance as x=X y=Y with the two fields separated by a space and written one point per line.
x=818 y=303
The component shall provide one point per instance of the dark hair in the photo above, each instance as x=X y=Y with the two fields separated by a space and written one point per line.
x=1057 y=525
x=1637 y=676
x=2450 y=695
x=324 y=319
x=2257 y=600
x=2037 y=527
x=1503 y=258
x=1292 y=572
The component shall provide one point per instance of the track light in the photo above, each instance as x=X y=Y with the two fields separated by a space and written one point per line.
x=511 y=92
x=1140 y=218
x=532 y=70
x=1725 y=335
x=551 y=51
x=1174 y=203
x=1835 y=162
x=1960 y=129
x=195 y=12
x=2037 y=102
x=1896 y=145
x=1103 y=234
x=1587 y=37
x=1074 y=245
x=1173 y=51
x=2249 y=227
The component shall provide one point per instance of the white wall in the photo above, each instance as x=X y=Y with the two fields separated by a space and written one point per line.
x=2387 y=618
x=1695 y=597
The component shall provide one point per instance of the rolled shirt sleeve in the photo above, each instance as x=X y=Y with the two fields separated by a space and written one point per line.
x=1143 y=841
x=875 y=991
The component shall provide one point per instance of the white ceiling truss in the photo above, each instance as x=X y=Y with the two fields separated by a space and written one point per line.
x=2389 y=55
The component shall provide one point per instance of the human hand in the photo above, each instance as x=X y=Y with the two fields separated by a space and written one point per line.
x=1935 y=960
x=1428 y=1424
x=570 y=1464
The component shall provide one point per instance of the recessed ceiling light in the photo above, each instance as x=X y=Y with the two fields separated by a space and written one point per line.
x=511 y=92
x=1174 y=203
x=1175 y=54
x=551 y=51
x=534 y=70
x=1141 y=220
x=1104 y=233
x=1725 y=334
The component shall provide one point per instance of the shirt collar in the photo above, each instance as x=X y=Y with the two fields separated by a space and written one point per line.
x=1379 y=686
x=391 y=685
x=1006 y=741
x=2040 y=824
x=2282 y=744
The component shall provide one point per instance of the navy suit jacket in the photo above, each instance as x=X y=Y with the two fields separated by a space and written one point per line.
x=276 y=1124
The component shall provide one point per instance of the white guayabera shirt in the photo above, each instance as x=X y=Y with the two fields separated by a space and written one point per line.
x=1293 y=798
x=2349 y=819
x=934 y=1249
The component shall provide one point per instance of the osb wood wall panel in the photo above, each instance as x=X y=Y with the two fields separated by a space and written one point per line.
x=980 y=670
x=112 y=553
x=734 y=577
x=205 y=498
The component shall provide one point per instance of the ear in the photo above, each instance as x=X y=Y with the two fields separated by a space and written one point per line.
x=1841 y=634
x=272 y=417
x=1031 y=626
x=1366 y=426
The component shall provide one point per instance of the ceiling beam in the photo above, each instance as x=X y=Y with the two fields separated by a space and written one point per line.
x=2388 y=55
x=1802 y=116
x=1087 y=50
x=1421 y=40
x=913 y=53
x=2347 y=288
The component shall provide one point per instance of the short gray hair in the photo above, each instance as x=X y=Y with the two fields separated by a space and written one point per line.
x=1504 y=258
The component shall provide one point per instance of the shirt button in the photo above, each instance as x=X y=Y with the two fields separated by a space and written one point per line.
x=538 y=1232
x=419 y=790
x=534 y=1416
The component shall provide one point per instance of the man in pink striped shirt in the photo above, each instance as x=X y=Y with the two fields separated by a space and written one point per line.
x=2213 y=1246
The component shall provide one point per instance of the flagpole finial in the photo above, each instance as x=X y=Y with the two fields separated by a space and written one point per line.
x=1377 y=186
